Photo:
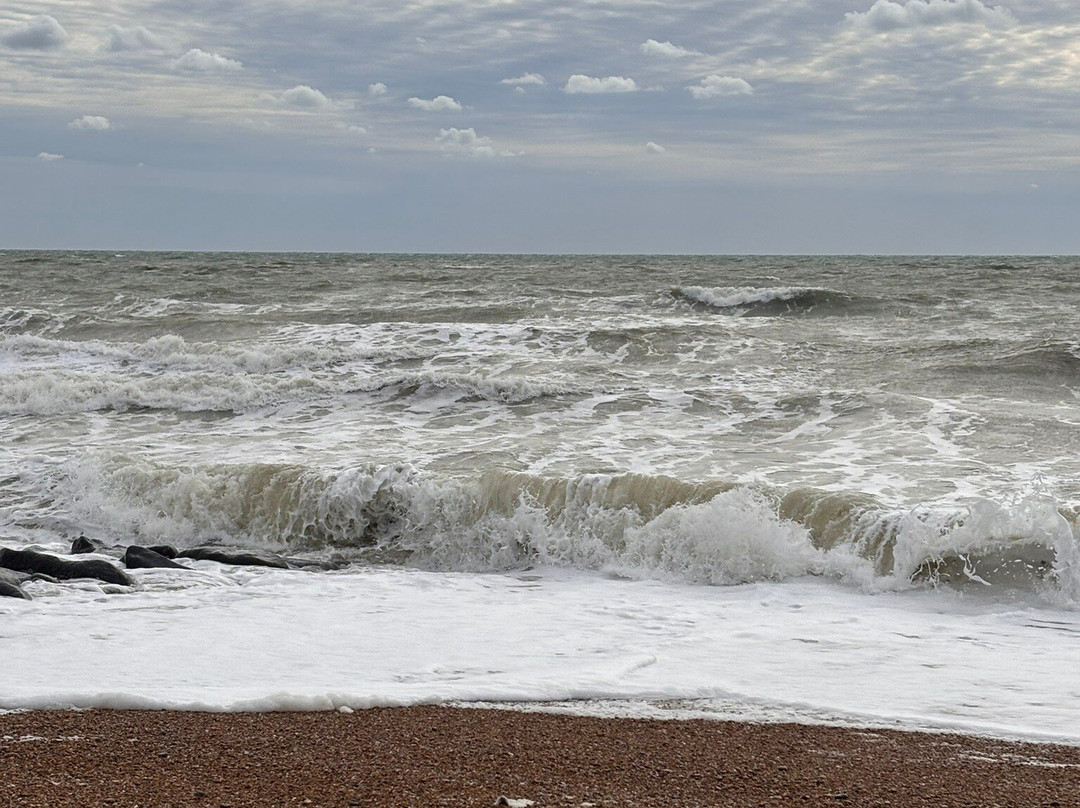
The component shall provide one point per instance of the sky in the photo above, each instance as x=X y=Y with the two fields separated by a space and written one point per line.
x=554 y=126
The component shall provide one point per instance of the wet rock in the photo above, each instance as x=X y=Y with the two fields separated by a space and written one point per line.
x=10 y=585
x=86 y=545
x=144 y=558
x=62 y=569
x=239 y=559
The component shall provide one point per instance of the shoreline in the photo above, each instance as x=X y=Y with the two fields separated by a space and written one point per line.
x=470 y=756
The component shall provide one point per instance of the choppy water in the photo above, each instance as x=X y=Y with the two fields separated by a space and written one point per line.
x=488 y=411
x=886 y=424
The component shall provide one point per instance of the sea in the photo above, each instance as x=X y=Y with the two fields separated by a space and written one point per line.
x=817 y=489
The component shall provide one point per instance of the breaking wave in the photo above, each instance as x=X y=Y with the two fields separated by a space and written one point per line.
x=632 y=525
x=770 y=301
x=29 y=320
x=75 y=391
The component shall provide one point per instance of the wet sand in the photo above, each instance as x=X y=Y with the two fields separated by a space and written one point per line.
x=437 y=756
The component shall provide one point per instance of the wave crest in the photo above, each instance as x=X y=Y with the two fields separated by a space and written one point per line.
x=634 y=525
x=767 y=301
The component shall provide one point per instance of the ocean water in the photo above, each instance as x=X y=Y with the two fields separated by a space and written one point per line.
x=823 y=488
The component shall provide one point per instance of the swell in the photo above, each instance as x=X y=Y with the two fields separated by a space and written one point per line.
x=1048 y=360
x=634 y=525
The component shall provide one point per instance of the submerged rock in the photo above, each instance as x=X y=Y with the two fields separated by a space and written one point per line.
x=239 y=559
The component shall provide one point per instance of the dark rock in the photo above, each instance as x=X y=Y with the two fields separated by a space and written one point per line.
x=144 y=558
x=239 y=559
x=10 y=584
x=166 y=550
x=309 y=564
x=61 y=569
x=10 y=590
x=85 y=545
x=14 y=578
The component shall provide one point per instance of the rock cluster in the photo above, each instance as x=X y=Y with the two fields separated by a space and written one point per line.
x=19 y=566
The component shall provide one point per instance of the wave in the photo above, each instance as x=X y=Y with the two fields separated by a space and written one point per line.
x=767 y=301
x=1051 y=360
x=466 y=386
x=60 y=391
x=173 y=353
x=632 y=525
x=20 y=320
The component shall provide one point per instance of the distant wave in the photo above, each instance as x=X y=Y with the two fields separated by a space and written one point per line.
x=1054 y=361
x=1046 y=358
x=767 y=301
x=504 y=388
x=634 y=525
x=171 y=374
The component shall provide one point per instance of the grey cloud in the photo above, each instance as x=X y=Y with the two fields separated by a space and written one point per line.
x=49 y=157
x=133 y=39
x=887 y=15
x=39 y=33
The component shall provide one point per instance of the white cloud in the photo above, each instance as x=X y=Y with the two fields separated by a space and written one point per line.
x=714 y=86
x=97 y=123
x=440 y=103
x=465 y=141
x=376 y=89
x=578 y=83
x=303 y=97
x=654 y=148
x=650 y=47
x=887 y=15
x=528 y=78
x=133 y=39
x=200 y=61
x=352 y=129
x=38 y=33
x=49 y=157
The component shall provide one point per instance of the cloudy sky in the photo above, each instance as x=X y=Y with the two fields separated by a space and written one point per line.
x=718 y=126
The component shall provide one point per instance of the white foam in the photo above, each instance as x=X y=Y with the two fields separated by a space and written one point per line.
x=731 y=297
x=291 y=640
